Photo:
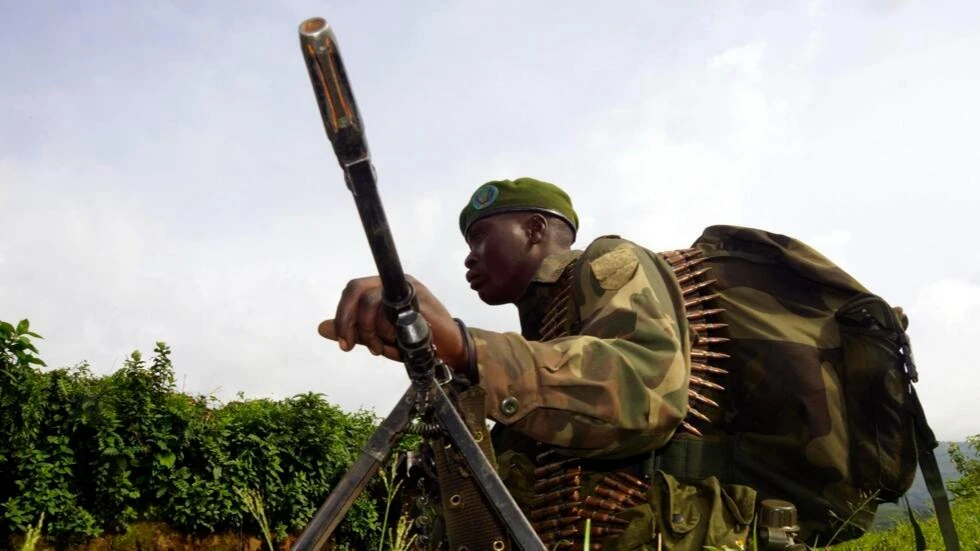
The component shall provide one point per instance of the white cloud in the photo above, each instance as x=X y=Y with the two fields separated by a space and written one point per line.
x=950 y=304
x=943 y=331
x=744 y=60
x=834 y=245
x=185 y=191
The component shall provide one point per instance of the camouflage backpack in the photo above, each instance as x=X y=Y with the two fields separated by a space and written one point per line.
x=819 y=408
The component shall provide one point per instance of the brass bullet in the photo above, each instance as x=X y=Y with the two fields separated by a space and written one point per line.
x=602 y=517
x=696 y=353
x=698 y=414
x=619 y=486
x=705 y=368
x=700 y=300
x=698 y=314
x=700 y=327
x=554 y=315
x=688 y=277
x=550 y=324
x=570 y=531
x=632 y=480
x=551 y=468
x=706 y=383
x=680 y=255
x=543 y=456
x=704 y=400
x=690 y=428
x=615 y=496
x=689 y=264
x=556 y=306
x=606 y=531
x=555 y=523
x=570 y=493
x=697 y=286
x=605 y=504
x=567 y=479
x=554 y=510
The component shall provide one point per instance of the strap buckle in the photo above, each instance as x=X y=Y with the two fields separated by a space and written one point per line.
x=905 y=351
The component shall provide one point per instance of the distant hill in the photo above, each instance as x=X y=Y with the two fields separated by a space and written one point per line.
x=891 y=513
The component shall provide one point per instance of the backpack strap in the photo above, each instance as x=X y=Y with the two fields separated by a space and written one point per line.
x=925 y=442
x=920 y=539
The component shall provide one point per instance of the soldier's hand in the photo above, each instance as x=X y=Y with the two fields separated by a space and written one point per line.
x=360 y=319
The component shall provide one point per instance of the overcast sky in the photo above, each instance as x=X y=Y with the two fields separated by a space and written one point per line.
x=164 y=174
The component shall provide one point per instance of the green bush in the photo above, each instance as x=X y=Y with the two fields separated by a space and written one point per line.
x=97 y=453
x=968 y=486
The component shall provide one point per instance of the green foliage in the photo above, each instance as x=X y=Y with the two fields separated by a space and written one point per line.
x=968 y=486
x=93 y=454
x=966 y=516
x=966 y=511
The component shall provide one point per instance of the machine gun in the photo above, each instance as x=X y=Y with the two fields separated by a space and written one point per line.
x=426 y=396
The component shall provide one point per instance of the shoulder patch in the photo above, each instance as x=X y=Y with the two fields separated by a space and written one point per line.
x=613 y=269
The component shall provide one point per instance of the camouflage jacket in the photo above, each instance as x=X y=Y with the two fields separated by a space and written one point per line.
x=616 y=385
x=599 y=378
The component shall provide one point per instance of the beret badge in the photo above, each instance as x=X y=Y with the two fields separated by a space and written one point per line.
x=485 y=196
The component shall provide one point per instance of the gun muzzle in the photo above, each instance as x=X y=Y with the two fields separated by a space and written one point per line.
x=333 y=92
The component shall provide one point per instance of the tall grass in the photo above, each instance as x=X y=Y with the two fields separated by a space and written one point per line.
x=966 y=517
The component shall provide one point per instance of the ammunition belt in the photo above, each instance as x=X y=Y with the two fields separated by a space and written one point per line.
x=704 y=318
x=569 y=491
x=561 y=316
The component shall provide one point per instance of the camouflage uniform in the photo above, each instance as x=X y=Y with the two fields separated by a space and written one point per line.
x=614 y=387
x=600 y=372
x=616 y=348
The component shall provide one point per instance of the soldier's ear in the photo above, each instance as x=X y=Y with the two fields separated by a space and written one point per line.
x=534 y=228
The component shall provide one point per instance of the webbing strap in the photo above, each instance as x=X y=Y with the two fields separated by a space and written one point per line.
x=696 y=459
x=920 y=539
x=925 y=441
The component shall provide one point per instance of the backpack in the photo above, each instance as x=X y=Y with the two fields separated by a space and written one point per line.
x=819 y=408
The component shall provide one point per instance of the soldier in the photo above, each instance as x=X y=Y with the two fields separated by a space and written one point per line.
x=597 y=379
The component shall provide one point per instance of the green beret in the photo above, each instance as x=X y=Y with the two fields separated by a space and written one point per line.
x=522 y=194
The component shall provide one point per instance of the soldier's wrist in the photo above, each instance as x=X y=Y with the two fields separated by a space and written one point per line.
x=467 y=365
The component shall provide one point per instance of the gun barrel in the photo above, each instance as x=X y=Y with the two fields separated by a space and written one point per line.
x=345 y=130
x=333 y=92
x=346 y=133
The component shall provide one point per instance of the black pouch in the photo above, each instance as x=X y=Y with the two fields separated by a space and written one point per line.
x=877 y=374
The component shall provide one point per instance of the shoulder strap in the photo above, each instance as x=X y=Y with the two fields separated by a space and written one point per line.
x=925 y=442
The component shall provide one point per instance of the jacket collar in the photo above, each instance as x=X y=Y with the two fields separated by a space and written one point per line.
x=553 y=265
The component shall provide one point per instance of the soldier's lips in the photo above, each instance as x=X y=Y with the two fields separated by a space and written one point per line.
x=475 y=280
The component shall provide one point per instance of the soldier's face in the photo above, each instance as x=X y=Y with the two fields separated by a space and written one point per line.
x=500 y=264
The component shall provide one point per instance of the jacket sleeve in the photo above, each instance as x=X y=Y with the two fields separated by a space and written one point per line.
x=616 y=389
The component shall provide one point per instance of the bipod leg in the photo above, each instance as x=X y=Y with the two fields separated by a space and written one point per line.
x=372 y=457
x=483 y=472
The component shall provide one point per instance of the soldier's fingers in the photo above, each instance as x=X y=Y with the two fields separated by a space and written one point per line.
x=327 y=330
x=345 y=320
x=368 y=310
x=392 y=353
